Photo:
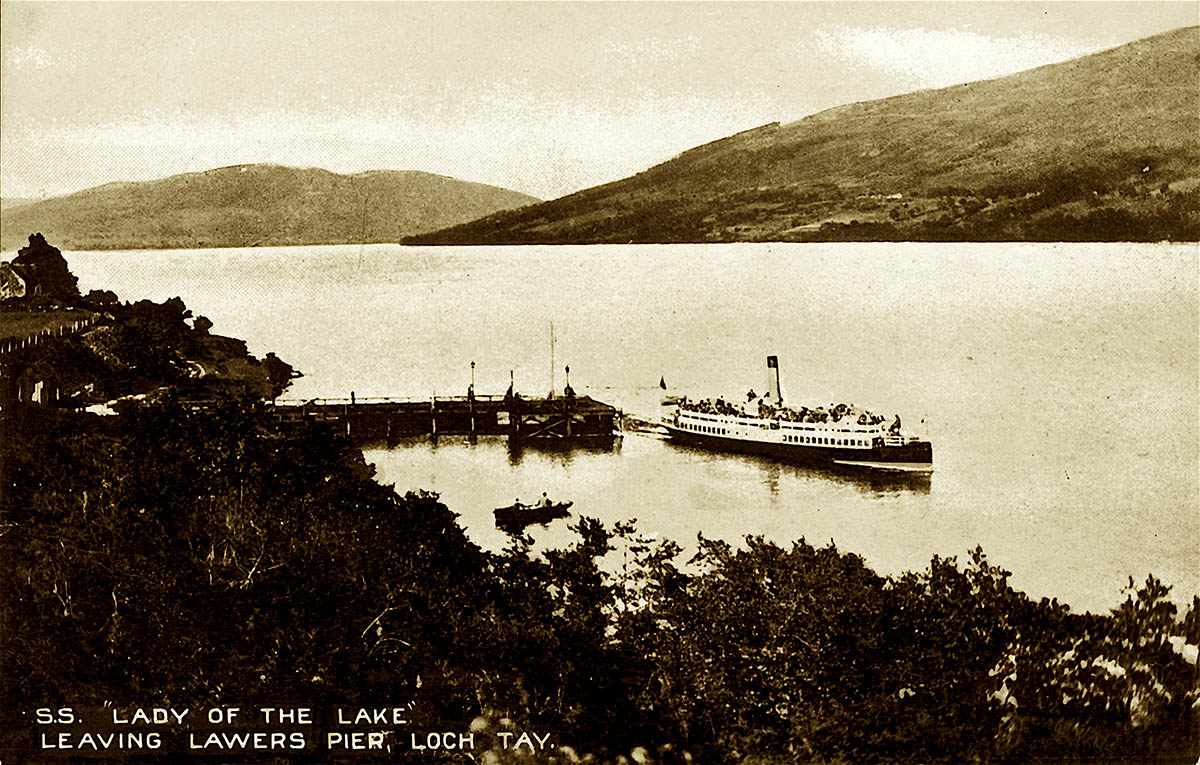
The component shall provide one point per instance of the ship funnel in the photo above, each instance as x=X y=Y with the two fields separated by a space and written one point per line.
x=773 y=393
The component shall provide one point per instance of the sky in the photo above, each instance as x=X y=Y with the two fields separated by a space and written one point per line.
x=544 y=98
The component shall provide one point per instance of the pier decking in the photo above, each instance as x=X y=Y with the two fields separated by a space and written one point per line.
x=558 y=420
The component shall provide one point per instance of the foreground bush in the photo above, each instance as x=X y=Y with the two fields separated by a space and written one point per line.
x=172 y=555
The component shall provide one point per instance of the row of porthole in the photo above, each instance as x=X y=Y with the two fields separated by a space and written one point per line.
x=824 y=441
x=706 y=429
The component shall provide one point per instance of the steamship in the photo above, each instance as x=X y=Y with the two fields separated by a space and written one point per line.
x=838 y=436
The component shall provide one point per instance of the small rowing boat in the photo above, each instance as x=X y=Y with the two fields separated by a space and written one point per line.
x=524 y=515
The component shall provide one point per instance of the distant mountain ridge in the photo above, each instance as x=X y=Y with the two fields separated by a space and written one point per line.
x=245 y=205
x=1103 y=147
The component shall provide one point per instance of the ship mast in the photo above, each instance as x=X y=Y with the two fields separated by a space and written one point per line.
x=551 y=359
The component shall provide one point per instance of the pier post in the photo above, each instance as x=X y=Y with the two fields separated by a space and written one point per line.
x=471 y=401
x=433 y=417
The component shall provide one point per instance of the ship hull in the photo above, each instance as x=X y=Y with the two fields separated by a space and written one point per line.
x=913 y=457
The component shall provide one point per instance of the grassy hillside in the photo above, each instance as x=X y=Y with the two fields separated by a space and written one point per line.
x=255 y=204
x=1105 y=147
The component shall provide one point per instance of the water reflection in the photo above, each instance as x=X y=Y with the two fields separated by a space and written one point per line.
x=865 y=481
x=559 y=452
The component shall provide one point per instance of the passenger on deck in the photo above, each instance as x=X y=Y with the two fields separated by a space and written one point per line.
x=543 y=501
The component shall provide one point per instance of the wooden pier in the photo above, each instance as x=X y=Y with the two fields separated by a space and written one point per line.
x=562 y=420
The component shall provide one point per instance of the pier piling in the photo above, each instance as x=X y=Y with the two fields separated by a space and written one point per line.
x=562 y=420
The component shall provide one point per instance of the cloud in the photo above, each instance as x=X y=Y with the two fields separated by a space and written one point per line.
x=31 y=57
x=654 y=50
x=931 y=58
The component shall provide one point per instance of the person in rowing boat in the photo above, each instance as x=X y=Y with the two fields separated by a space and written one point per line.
x=543 y=501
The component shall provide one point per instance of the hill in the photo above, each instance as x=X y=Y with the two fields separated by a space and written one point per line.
x=1104 y=147
x=255 y=204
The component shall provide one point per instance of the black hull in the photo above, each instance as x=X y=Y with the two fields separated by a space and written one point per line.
x=915 y=456
x=525 y=516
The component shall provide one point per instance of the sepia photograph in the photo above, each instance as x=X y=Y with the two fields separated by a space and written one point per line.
x=646 y=382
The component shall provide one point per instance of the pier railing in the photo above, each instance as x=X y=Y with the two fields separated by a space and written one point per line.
x=294 y=402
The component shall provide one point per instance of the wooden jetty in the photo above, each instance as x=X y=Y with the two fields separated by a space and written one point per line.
x=560 y=420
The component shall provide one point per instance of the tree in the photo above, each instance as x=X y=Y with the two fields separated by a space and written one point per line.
x=48 y=267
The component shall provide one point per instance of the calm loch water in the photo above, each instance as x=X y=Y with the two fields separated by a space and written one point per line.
x=1058 y=383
